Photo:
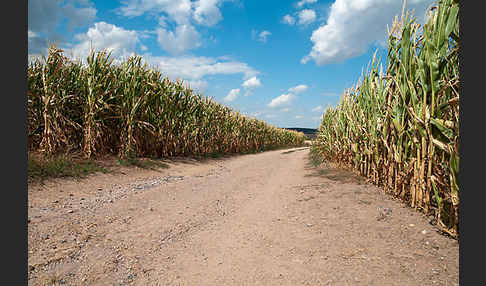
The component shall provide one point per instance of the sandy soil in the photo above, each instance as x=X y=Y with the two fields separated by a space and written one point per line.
x=259 y=219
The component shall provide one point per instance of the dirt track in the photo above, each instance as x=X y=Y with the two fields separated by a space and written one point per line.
x=260 y=219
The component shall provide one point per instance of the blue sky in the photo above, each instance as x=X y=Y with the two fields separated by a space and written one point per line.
x=279 y=61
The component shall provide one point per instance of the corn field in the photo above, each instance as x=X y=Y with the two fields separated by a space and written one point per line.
x=128 y=109
x=400 y=128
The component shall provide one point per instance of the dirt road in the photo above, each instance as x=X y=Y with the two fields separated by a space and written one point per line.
x=260 y=219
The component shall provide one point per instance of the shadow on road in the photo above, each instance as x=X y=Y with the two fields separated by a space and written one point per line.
x=335 y=174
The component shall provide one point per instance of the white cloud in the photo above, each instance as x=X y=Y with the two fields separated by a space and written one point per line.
x=184 y=38
x=262 y=37
x=252 y=83
x=79 y=16
x=45 y=15
x=289 y=20
x=299 y=117
x=354 y=25
x=283 y=99
x=194 y=68
x=106 y=36
x=179 y=11
x=232 y=95
x=184 y=13
x=303 y=2
x=317 y=108
x=298 y=89
x=163 y=21
x=306 y=16
x=286 y=99
x=206 y=12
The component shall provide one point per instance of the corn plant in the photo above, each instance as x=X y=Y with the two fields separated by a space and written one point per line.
x=128 y=109
x=400 y=128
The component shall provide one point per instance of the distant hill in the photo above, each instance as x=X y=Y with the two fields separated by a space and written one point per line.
x=308 y=132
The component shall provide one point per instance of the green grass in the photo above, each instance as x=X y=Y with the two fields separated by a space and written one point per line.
x=41 y=168
x=143 y=163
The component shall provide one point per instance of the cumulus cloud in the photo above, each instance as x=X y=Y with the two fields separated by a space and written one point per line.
x=306 y=17
x=287 y=98
x=179 y=11
x=79 y=16
x=298 y=89
x=285 y=109
x=252 y=82
x=303 y=2
x=353 y=26
x=106 y=36
x=232 y=95
x=184 y=38
x=44 y=17
x=184 y=13
x=203 y=12
x=206 y=12
x=289 y=20
x=194 y=68
x=283 y=99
